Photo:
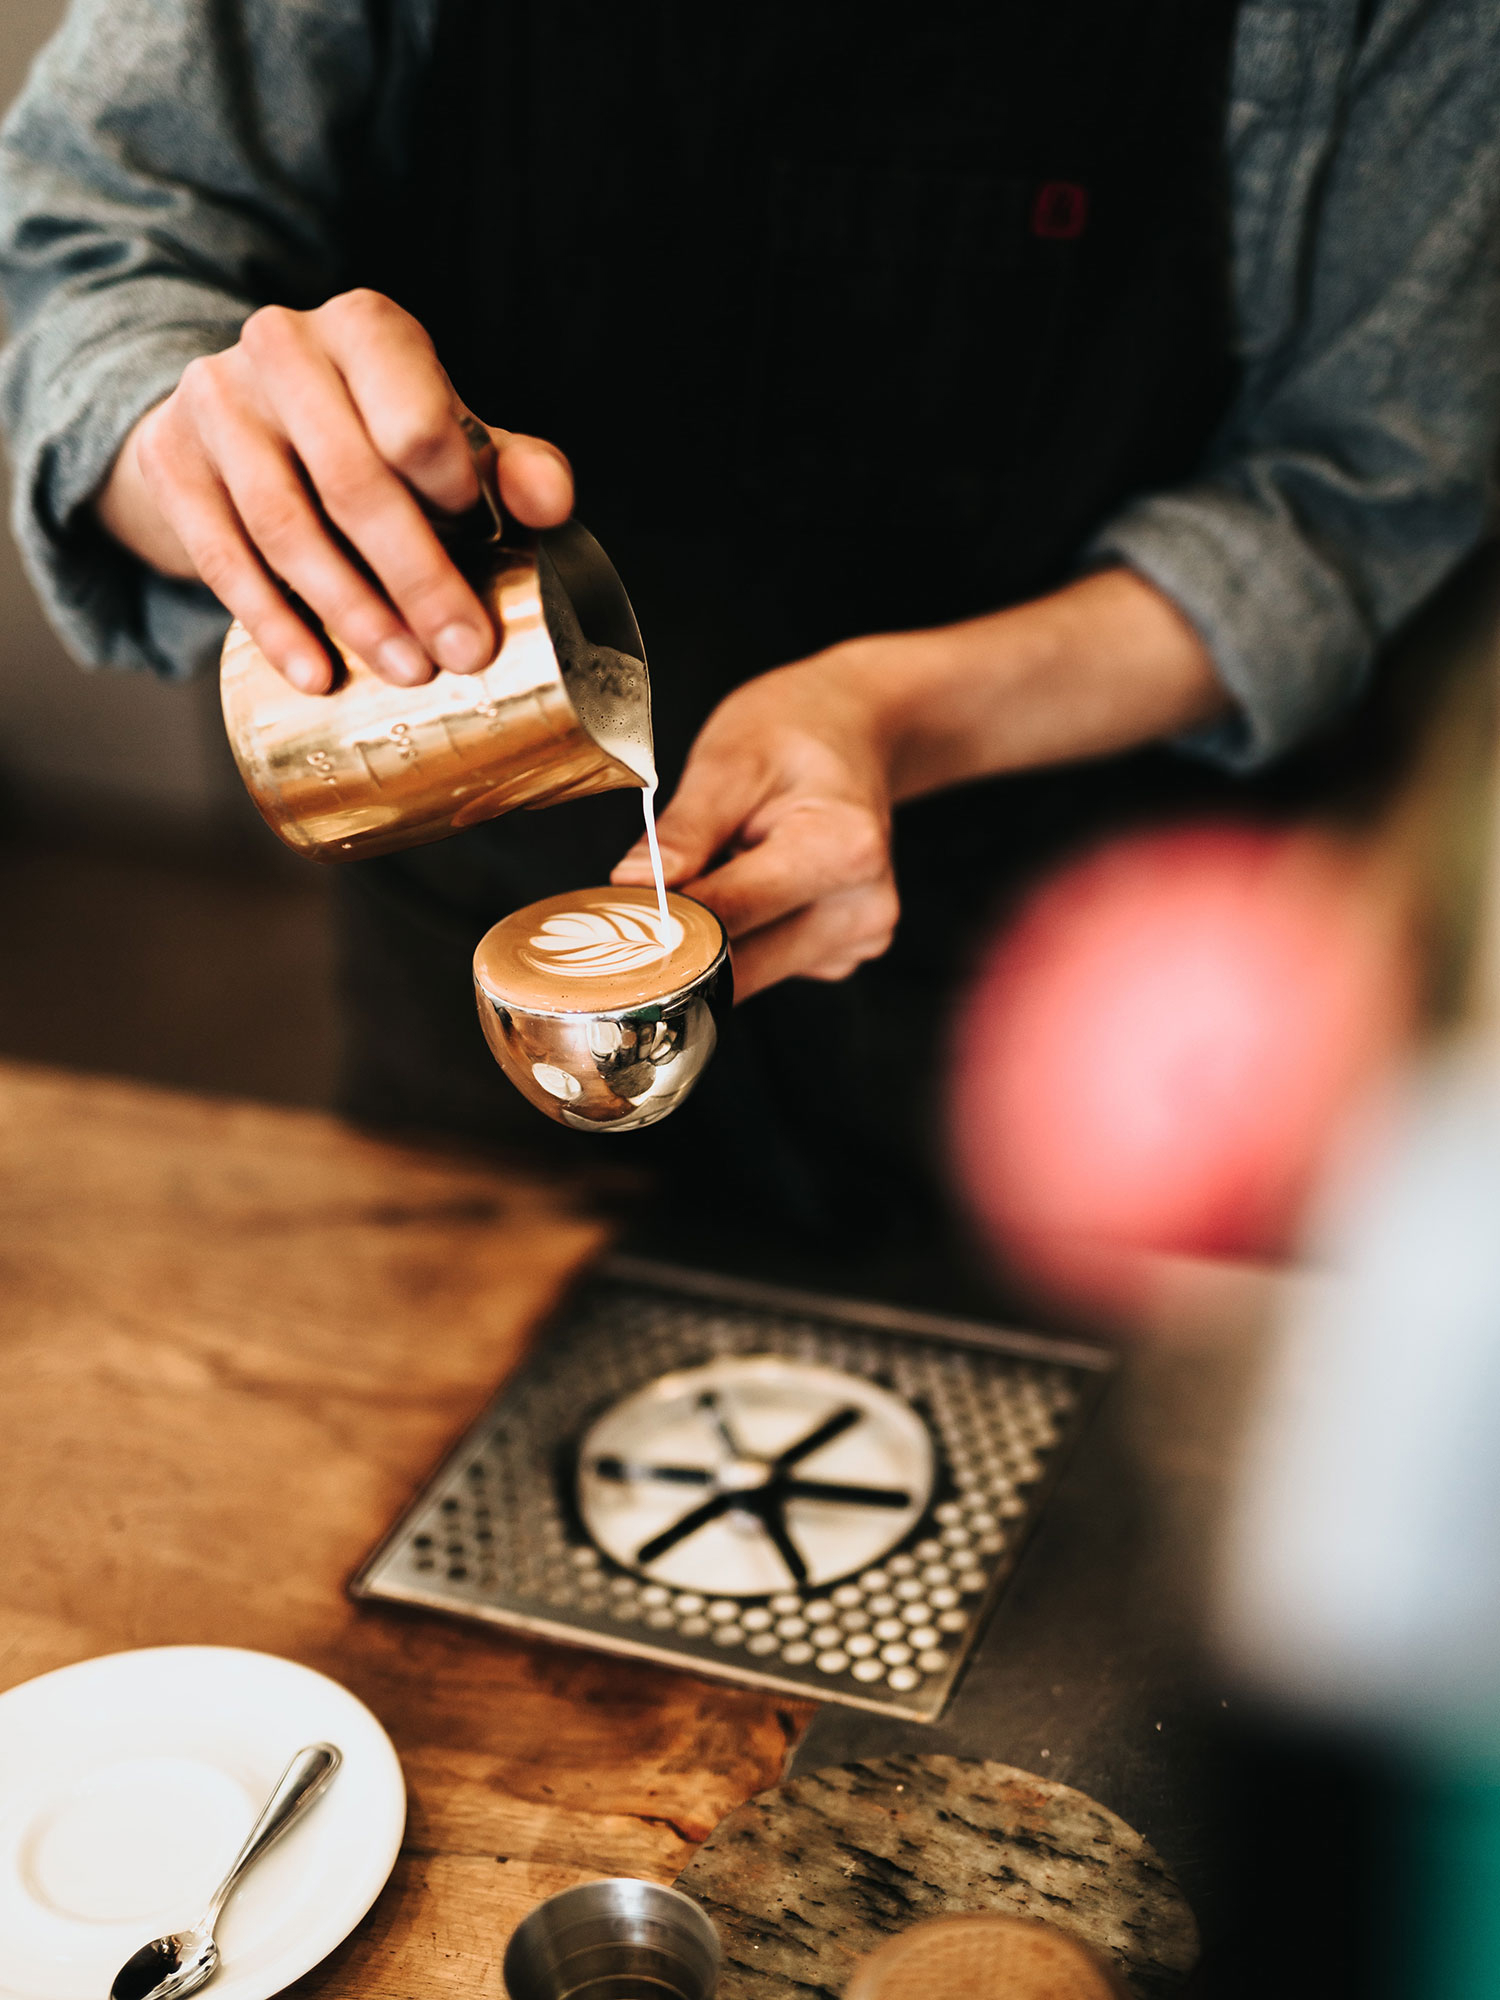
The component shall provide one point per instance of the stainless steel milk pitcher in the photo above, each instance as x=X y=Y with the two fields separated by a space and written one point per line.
x=563 y=709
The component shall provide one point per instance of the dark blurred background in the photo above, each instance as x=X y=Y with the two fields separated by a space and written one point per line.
x=151 y=926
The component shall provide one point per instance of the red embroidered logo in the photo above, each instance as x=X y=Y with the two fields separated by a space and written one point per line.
x=1060 y=210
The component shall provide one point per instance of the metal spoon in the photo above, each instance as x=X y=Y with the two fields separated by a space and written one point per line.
x=170 y=1967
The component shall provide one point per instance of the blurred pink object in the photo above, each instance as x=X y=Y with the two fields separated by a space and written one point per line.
x=1158 y=1053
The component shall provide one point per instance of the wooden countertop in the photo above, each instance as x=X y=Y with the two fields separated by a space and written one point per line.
x=232 y=1341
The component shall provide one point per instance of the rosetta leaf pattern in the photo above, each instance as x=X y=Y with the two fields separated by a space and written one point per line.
x=610 y=939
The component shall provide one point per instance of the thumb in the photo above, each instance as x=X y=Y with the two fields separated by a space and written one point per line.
x=535 y=480
x=715 y=798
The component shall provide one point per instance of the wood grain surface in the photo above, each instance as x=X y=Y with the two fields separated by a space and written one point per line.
x=819 y=1871
x=232 y=1341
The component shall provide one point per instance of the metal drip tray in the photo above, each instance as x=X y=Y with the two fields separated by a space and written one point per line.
x=767 y=1486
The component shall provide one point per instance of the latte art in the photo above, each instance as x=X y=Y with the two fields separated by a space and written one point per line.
x=609 y=938
x=593 y=950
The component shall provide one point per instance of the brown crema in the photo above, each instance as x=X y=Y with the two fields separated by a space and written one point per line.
x=593 y=951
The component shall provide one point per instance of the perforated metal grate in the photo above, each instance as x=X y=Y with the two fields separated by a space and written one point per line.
x=497 y=1534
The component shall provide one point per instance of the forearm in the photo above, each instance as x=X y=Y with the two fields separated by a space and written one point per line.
x=782 y=820
x=1356 y=465
x=1100 y=666
x=170 y=165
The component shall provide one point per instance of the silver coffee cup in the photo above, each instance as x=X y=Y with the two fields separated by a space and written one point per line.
x=610 y=1069
x=614 y=1940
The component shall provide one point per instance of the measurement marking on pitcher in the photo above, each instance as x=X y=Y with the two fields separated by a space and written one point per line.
x=400 y=740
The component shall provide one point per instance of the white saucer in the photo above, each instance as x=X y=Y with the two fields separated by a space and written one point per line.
x=126 y=1787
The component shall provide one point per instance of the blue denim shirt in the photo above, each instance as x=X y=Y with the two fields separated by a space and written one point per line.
x=171 y=164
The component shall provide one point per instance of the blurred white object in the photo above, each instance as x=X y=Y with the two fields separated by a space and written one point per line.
x=1362 y=1570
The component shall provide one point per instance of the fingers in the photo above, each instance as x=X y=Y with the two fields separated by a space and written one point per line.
x=536 y=481
x=272 y=500
x=817 y=849
x=195 y=505
x=806 y=890
x=302 y=456
x=411 y=411
x=827 y=941
x=717 y=796
x=813 y=899
x=428 y=613
x=394 y=380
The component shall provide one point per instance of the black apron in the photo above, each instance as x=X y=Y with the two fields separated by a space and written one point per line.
x=848 y=323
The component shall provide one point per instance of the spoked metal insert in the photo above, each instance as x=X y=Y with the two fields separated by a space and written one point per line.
x=753 y=1475
x=768 y=1486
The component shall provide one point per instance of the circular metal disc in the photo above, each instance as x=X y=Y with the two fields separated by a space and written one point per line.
x=709 y=1438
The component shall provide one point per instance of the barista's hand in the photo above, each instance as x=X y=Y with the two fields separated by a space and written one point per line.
x=302 y=448
x=782 y=825
x=782 y=820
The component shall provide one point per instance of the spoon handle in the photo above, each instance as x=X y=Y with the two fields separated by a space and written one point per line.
x=297 y=1787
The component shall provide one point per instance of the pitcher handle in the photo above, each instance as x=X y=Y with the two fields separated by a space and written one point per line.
x=487 y=465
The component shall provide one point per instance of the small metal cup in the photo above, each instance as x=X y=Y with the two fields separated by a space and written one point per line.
x=614 y=1940
x=616 y=1069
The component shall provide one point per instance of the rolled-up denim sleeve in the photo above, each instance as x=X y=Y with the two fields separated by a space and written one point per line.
x=1357 y=466
x=170 y=165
